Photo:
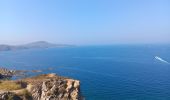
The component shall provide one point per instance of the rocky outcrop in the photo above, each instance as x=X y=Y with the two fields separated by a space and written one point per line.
x=9 y=96
x=45 y=87
x=5 y=73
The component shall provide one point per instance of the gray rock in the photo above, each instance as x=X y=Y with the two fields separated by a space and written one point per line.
x=9 y=96
x=57 y=89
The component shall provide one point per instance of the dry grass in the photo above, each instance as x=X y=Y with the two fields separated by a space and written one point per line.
x=24 y=93
x=10 y=85
x=41 y=78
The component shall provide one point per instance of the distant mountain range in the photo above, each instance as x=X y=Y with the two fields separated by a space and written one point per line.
x=38 y=44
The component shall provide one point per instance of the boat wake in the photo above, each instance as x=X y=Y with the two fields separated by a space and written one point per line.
x=162 y=60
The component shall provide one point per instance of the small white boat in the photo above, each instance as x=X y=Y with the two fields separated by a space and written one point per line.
x=162 y=60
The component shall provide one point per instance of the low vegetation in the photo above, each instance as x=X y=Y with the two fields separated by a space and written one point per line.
x=10 y=85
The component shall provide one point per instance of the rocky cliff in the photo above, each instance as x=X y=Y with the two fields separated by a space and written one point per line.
x=43 y=87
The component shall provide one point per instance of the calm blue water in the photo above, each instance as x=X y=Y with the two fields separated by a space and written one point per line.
x=119 y=72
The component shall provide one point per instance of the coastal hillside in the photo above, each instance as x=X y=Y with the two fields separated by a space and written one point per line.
x=33 y=45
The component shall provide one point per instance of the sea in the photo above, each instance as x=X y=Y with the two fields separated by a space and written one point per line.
x=106 y=72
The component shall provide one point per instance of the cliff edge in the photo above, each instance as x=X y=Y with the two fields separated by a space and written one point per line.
x=42 y=87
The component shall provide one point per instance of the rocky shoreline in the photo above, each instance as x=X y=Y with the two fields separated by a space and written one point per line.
x=42 y=87
x=7 y=74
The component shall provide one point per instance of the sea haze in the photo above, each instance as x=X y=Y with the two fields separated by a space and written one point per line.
x=120 y=72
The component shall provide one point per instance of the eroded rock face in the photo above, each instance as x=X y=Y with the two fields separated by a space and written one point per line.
x=48 y=87
x=56 y=89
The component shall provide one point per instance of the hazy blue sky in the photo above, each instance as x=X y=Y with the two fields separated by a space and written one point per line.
x=85 y=21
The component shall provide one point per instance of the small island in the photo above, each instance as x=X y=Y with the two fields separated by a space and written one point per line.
x=33 y=45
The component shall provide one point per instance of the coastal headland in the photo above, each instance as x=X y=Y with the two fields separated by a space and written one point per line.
x=41 y=87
